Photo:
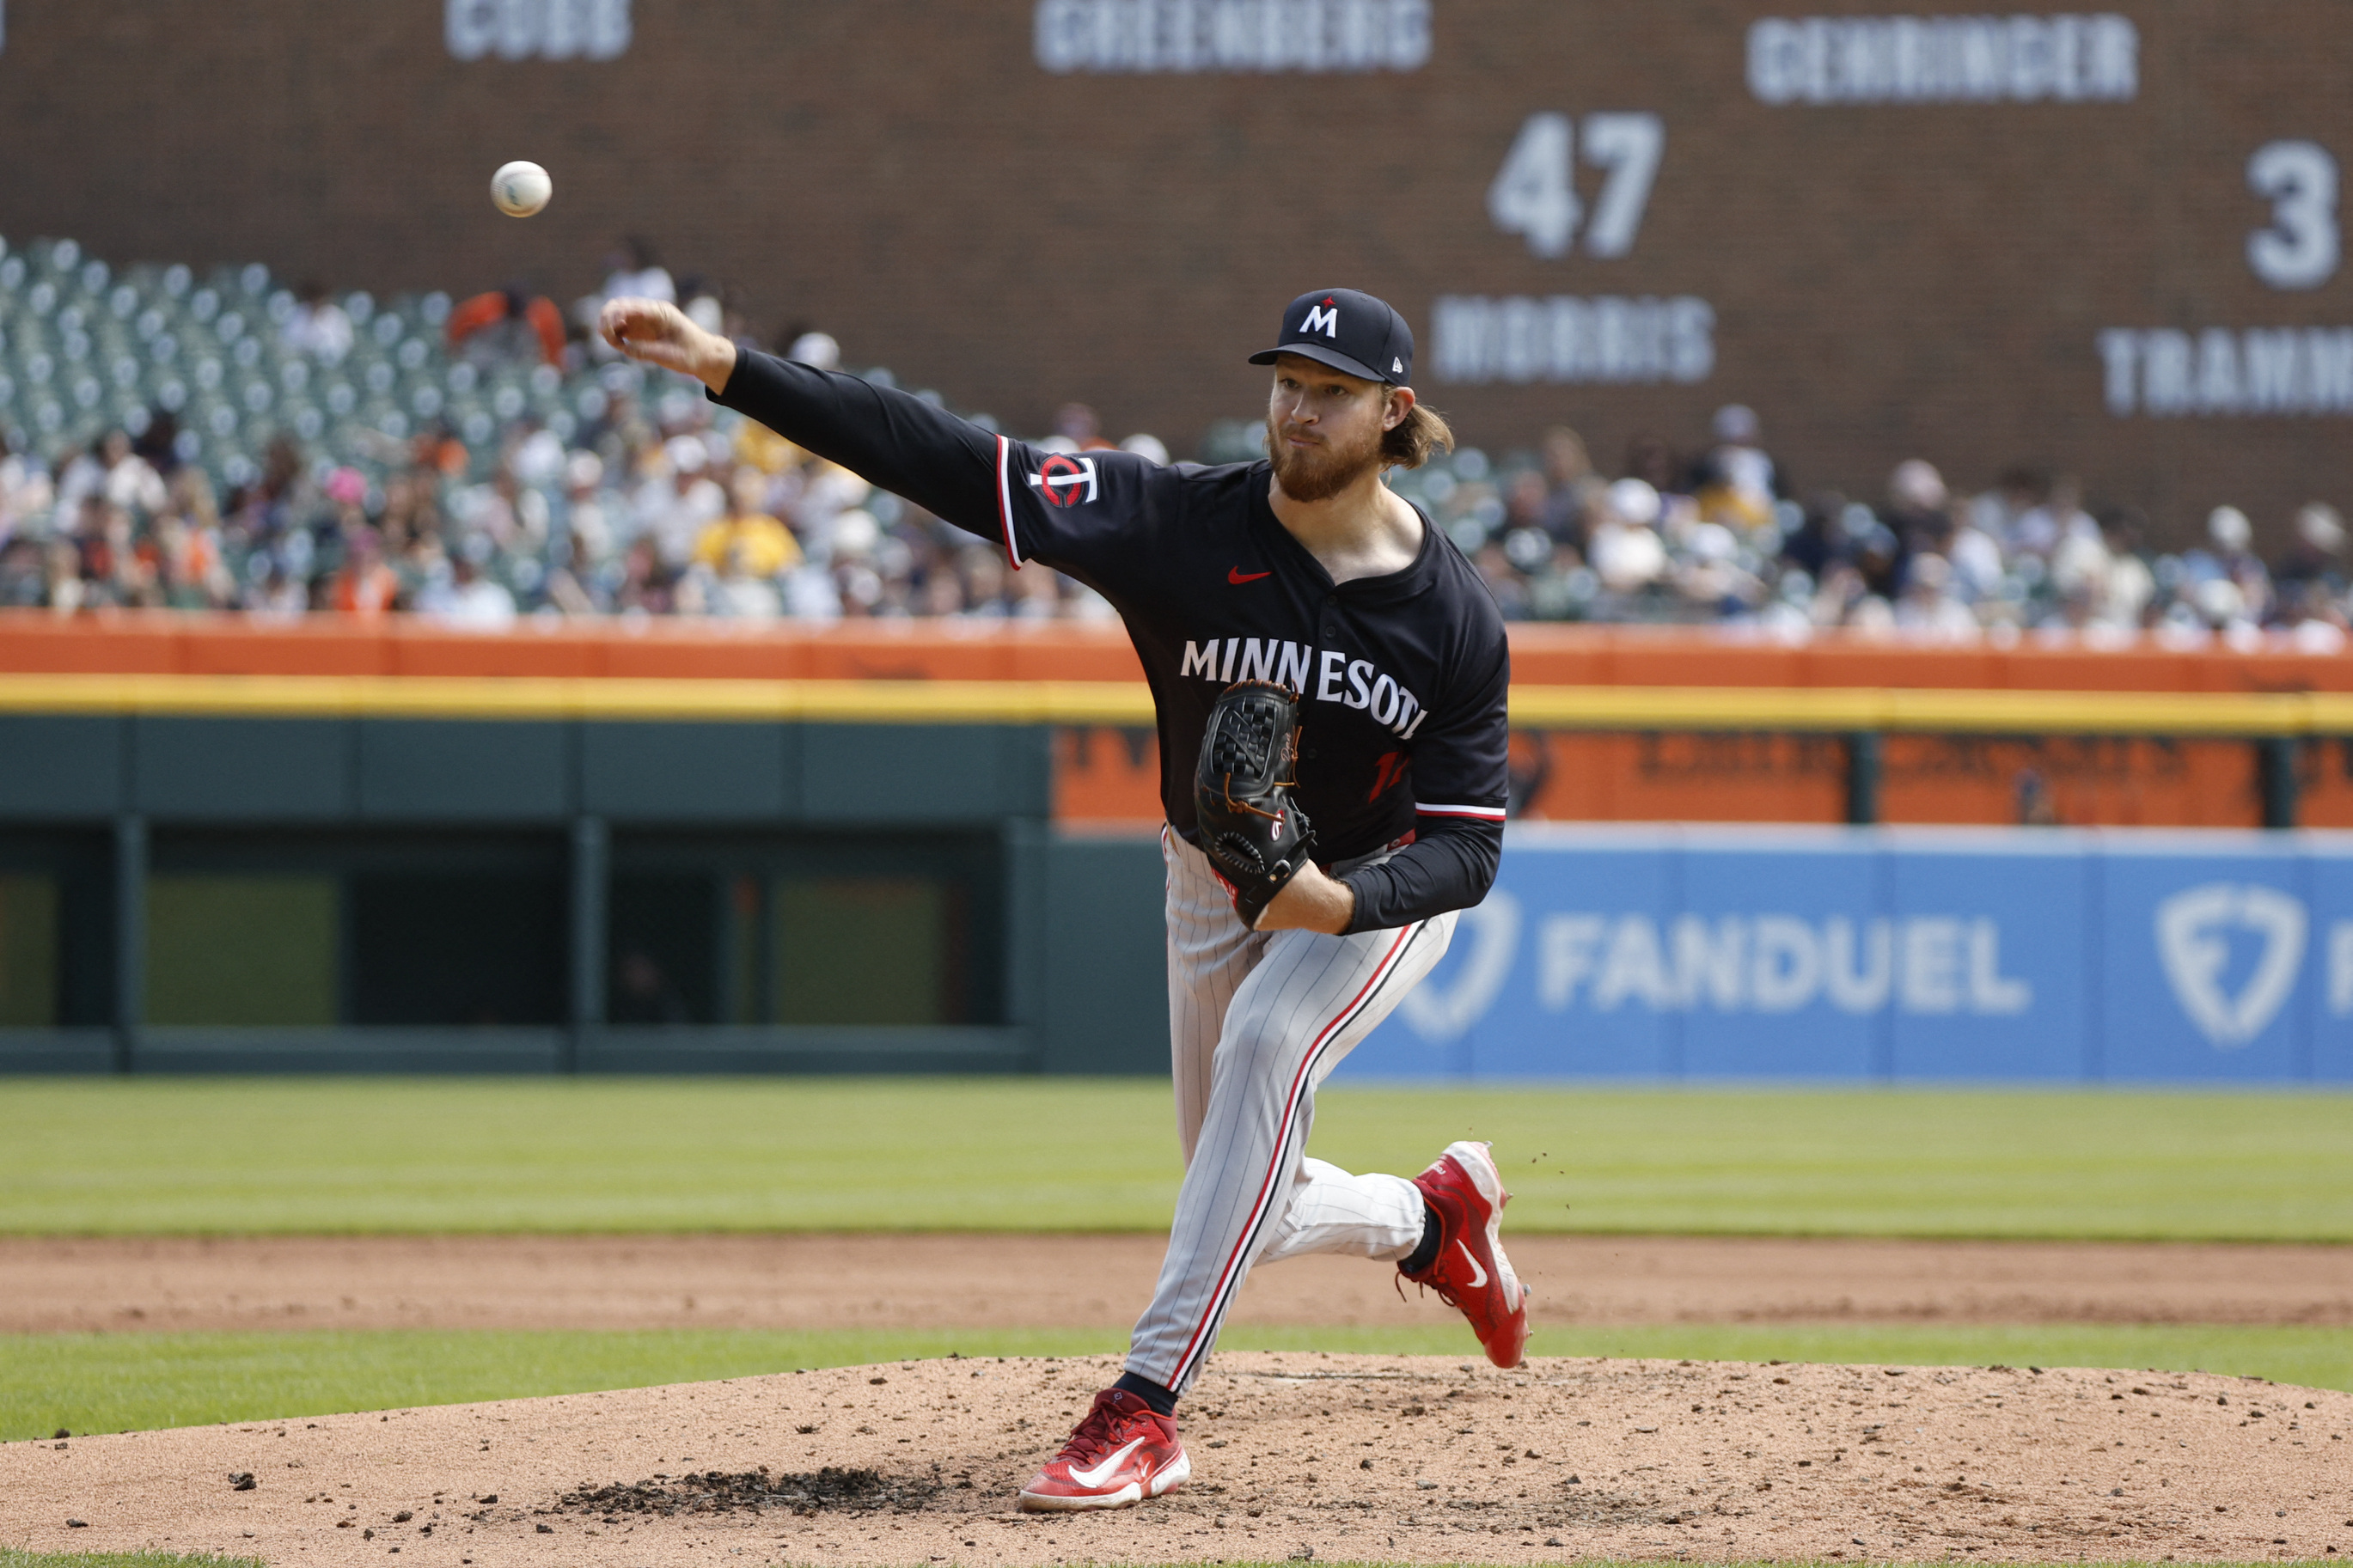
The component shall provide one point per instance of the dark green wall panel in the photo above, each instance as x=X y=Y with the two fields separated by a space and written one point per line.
x=894 y=772
x=427 y=769
x=690 y=773
x=809 y=1050
x=60 y=766
x=57 y=1050
x=349 y=1050
x=243 y=769
x=1106 y=966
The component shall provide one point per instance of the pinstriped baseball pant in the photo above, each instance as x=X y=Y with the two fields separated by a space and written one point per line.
x=1256 y=1022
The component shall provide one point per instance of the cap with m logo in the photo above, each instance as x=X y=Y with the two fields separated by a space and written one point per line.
x=1349 y=331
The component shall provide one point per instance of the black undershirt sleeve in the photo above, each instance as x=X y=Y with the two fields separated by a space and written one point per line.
x=946 y=464
x=1449 y=864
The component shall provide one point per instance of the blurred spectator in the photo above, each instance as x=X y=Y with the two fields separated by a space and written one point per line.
x=699 y=297
x=1569 y=485
x=319 y=327
x=747 y=537
x=25 y=495
x=507 y=326
x=2046 y=527
x=1915 y=512
x=471 y=602
x=1076 y=424
x=1623 y=547
x=1929 y=607
x=815 y=349
x=365 y=586
x=633 y=270
x=1737 y=481
x=2316 y=553
x=678 y=499
x=635 y=273
x=1997 y=512
x=2230 y=558
x=368 y=469
x=2131 y=585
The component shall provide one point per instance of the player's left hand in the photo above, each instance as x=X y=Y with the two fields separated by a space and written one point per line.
x=1310 y=901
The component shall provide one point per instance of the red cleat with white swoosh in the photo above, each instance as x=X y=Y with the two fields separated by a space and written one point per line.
x=1120 y=1455
x=1470 y=1274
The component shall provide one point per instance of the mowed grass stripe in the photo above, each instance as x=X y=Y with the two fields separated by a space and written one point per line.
x=11 y=1558
x=115 y=1382
x=148 y=1156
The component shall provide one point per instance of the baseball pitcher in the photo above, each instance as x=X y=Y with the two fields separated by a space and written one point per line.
x=1329 y=675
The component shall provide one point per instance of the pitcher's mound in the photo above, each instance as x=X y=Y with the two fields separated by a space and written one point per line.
x=1397 y=1459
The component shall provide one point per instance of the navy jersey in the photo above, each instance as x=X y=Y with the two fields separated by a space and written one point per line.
x=1402 y=677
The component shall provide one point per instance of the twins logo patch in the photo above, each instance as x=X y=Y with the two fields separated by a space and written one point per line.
x=1061 y=479
x=2193 y=938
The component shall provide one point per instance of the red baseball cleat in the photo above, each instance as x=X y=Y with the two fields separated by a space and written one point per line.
x=1470 y=1274
x=1120 y=1455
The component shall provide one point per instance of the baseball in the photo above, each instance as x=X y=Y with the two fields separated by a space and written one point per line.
x=521 y=188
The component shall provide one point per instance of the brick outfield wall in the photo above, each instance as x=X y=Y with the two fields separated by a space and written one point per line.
x=1883 y=280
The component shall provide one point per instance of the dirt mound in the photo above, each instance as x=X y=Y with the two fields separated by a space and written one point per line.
x=1402 y=1460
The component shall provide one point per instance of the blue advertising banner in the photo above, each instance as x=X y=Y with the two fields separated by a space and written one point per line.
x=1994 y=954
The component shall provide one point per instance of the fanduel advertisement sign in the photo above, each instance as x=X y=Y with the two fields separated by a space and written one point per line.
x=1991 y=954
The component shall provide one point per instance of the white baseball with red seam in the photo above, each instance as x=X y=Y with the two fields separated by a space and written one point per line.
x=521 y=188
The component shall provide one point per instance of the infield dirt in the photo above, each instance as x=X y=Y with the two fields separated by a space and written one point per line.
x=1399 y=1460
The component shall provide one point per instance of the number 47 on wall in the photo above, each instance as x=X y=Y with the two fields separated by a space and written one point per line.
x=1534 y=194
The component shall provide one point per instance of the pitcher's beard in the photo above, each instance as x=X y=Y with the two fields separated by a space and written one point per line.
x=1319 y=473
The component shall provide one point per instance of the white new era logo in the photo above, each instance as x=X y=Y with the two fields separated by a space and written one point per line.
x=1396 y=367
x=2193 y=930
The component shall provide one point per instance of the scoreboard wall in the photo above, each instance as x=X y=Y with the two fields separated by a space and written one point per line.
x=2107 y=242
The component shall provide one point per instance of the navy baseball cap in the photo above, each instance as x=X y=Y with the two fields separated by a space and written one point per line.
x=1347 y=331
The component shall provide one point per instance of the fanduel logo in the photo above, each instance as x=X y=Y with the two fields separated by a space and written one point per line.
x=2194 y=928
x=1930 y=964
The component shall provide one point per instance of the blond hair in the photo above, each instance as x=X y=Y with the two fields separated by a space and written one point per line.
x=1421 y=435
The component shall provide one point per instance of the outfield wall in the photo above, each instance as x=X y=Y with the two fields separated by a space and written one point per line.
x=232 y=846
x=1611 y=724
x=1894 y=954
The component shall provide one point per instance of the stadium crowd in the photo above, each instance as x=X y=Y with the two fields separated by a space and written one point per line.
x=652 y=502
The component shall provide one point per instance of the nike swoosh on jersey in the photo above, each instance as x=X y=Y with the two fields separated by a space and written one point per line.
x=1480 y=1274
x=1103 y=1472
x=1237 y=576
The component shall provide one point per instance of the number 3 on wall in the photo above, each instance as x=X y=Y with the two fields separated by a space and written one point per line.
x=2302 y=247
x=1535 y=195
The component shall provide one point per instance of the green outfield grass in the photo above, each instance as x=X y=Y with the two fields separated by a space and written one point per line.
x=180 y=1156
x=13 y=1559
x=115 y=1382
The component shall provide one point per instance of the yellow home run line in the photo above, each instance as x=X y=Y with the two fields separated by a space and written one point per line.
x=1610 y=708
x=544 y=697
